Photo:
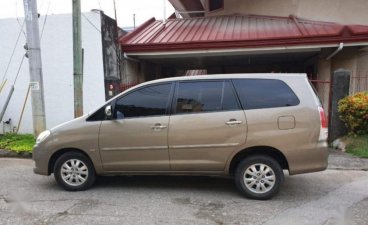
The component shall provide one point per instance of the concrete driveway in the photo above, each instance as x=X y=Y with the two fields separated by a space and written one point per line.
x=334 y=196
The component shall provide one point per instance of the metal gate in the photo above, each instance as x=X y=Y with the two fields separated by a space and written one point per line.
x=358 y=82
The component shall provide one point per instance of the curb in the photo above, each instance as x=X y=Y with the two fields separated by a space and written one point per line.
x=11 y=154
x=339 y=160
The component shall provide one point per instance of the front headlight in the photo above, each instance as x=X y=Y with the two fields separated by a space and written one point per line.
x=42 y=136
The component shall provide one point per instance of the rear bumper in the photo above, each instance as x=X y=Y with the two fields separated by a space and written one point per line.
x=309 y=160
x=41 y=160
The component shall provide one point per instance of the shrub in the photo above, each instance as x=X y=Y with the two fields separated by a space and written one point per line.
x=17 y=142
x=354 y=112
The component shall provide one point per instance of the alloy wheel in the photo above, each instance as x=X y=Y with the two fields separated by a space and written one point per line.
x=74 y=172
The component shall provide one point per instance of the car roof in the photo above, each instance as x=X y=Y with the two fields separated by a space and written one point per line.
x=229 y=76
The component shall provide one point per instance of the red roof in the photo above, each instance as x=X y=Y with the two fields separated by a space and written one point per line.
x=237 y=31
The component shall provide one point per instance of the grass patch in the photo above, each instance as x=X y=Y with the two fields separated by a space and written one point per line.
x=357 y=145
x=17 y=142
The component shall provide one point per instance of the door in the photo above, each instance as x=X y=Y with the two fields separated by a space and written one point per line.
x=207 y=125
x=136 y=138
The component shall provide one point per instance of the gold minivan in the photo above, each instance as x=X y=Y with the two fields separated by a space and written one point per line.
x=247 y=126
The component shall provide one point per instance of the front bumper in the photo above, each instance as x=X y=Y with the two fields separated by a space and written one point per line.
x=41 y=159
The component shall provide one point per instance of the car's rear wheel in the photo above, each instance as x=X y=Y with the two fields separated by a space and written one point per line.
x=74 y=171
x=259 y=177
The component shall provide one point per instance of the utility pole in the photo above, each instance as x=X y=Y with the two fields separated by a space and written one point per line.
x=134 y=20
x=164 y=19
x=35 y=66
x=77 y=59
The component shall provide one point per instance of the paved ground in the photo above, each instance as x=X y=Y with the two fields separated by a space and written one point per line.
x=335 y=196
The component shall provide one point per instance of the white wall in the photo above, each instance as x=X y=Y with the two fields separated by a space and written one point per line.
x=57 y=62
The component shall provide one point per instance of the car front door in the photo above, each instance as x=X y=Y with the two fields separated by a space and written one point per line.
x=207 y=125
x=135 y=139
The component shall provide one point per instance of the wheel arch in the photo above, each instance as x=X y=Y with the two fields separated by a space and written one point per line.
x=258 y=150
x=59 y=153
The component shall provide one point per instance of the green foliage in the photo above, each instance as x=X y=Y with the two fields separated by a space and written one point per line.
x=354 y=112
x=17 y=142
x=357 y=145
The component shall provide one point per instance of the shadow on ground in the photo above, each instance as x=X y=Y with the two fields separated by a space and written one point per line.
x=197 y=183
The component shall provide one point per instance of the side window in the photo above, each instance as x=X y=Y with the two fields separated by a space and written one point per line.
x=205 y=96
x=98 y=115
x=215 y=4
x=146 y=101
x=264 y=93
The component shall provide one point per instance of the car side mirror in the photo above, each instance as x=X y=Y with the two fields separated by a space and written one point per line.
x=108 y=112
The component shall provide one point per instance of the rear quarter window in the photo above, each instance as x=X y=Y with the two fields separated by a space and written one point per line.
x=264 y=93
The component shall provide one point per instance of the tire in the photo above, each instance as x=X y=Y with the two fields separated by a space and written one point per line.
x=259 y=177
x=74 y=171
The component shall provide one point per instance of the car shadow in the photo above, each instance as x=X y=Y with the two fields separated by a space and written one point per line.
x=161 y=182
x=295 y=187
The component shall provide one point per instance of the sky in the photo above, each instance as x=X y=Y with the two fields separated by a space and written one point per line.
x=143 y=9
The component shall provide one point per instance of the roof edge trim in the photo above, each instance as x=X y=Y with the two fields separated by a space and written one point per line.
x=242 y=44
x=242 y=50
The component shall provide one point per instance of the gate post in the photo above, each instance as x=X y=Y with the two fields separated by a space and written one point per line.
x=339 y=89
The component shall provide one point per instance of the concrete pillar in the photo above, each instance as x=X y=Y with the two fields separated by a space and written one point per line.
x=148 y=71
x=340 y=89
x=130 y=72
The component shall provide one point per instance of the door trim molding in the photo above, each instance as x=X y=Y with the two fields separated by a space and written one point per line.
x=135 y=148
x=205 y=146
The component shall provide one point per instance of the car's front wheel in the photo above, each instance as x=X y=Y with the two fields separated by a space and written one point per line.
x=74 y=171
x=259 y=177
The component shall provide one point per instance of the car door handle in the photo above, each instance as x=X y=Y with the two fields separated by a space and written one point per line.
x=233 y=122
x=158 y=126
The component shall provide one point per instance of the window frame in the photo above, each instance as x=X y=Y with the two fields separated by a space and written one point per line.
x=176 y=93
x=167 y=108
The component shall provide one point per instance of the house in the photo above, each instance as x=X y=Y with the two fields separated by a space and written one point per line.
x=239 y=36
x=100 y=68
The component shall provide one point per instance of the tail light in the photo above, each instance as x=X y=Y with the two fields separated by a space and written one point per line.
x=323 y=133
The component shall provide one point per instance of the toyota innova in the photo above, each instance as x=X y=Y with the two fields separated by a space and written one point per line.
x=247 y=126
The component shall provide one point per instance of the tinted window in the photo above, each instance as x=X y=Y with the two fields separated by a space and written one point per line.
x=98 y=115
x=205 y=96
x=147 y=101
x=264 y=93
x=216 y=4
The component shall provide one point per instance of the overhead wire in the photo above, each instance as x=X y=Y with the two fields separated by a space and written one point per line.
x=20 y=66
x=90 y=22
x=42 y=30
x=16 y=44
x=12 y=54
x=96 y=28
x=16 y=16
x=45 y=20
